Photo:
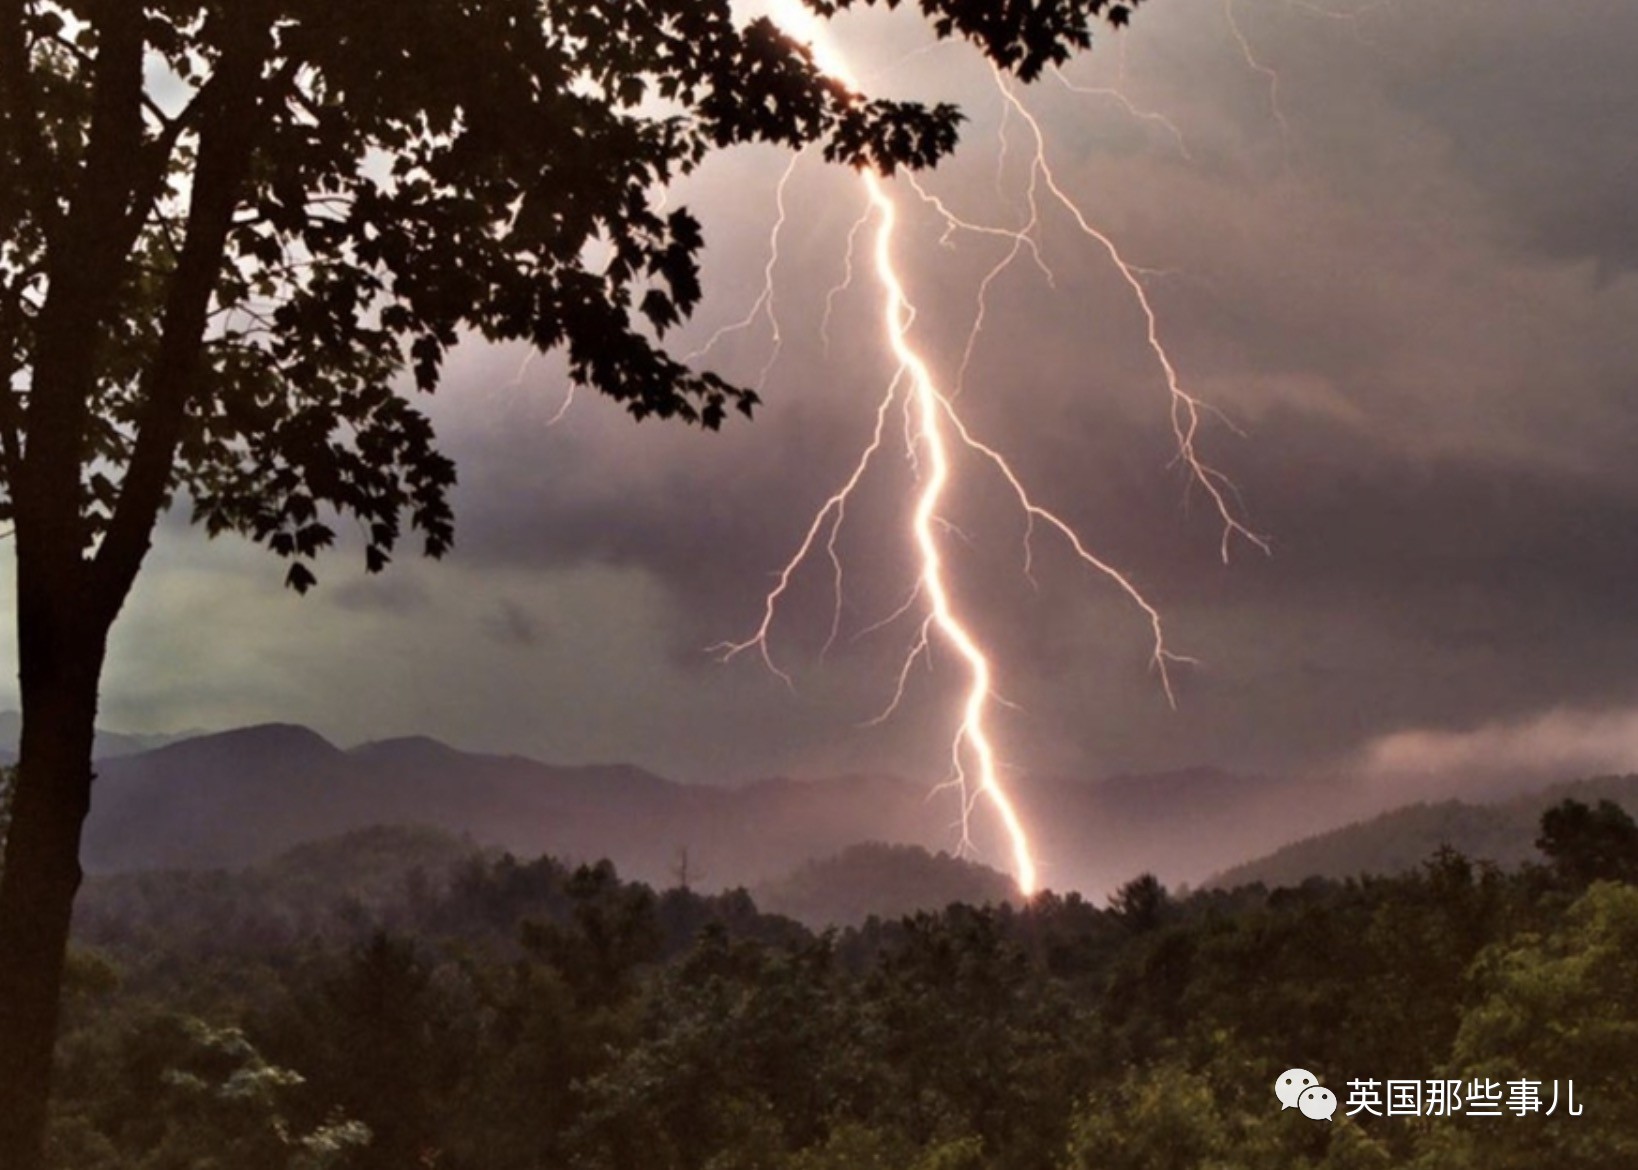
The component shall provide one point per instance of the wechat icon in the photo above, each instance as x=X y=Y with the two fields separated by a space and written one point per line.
x=1299 y=1089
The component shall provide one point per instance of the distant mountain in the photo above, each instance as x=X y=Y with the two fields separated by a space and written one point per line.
x=1182 y=826
x=239 y=797
x=326 y=889
x=888 y=881
x=367 y=866
x=1400 y=840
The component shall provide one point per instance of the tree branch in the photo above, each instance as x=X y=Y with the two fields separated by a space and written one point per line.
x=24 y=139
x=158 y=154
x=85 y=254
x=230 y=126
x=11 y=326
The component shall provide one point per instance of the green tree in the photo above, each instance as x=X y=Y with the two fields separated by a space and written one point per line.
x=965 y=1038
x=1167 y=1117
x=1141 y=904
x=744 y=1049
x=227 y=228
x=1587 y=844
x=176 y=1093
x=378 y=1042
x=1163 y=1118
x=1555 y=1008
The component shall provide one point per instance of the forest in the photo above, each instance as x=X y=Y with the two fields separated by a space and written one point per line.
x=395 y=998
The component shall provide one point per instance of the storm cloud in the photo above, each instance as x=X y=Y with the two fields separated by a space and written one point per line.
x=1404 y=275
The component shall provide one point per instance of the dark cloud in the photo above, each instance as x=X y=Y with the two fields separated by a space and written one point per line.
x=509 y=624
x=1529 y=99
x=395 y=593
x=1387 y=285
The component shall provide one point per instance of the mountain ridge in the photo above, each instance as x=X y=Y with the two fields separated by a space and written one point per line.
x=1502 y=832
x=236 y=797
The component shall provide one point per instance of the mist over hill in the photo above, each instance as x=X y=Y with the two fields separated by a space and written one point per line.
x=1398 y=841
x=235 y=798
x=389 y=874
x=238 y=797
x=887 y=881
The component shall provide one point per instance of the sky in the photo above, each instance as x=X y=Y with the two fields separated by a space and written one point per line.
x=1394 y=245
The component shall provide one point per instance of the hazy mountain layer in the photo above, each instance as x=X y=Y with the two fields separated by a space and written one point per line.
x=1397 y=841
x=887 y=881
x=243 y=796
x=239 y=797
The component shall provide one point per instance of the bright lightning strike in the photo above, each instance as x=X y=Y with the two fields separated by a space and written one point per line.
x=933 y=428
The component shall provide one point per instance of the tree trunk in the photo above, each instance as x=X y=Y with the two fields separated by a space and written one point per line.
x=60 y=654
x=66 y=603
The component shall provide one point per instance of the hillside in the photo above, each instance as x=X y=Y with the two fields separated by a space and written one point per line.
x=1402 y=839
x=520 y=1013
x=886 y=881
x=235 y=798
x=239 y=797
x=317 y=890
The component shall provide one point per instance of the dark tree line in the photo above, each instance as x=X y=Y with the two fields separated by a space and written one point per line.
x=519 y=1015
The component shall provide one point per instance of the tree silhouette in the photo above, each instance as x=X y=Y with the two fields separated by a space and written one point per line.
x=1141 y=904
x=227 y=229
x=1587 y=844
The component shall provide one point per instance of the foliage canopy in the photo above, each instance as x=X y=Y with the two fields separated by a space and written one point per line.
x=528 y=1013
x=266 y=211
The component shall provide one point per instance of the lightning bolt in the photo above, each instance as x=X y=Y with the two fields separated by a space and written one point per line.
x=934 y=429
x=1115 y=94
x=1352 y=17
x=1257 y=65
x=764 y=303
x=1186 y=409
